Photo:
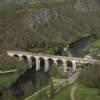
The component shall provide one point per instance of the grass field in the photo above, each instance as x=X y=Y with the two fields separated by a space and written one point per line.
x=96 y=44
x=85 y=93
x=63 y=95
x=81 y=93
x=7 y=79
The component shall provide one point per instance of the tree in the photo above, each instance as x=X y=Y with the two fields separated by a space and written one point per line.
x=55 y=71
x=8 y=95
x=9 y=63
x=52 y=88
x=90 y=76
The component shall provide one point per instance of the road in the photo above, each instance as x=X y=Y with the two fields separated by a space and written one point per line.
x=72 y=93
x=9 y=71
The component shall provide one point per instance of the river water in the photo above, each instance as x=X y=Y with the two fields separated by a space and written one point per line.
x=28 y=83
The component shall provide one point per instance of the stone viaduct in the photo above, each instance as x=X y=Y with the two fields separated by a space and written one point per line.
x=64 y=61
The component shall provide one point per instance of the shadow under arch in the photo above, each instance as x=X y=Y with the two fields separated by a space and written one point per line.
x=69 y=66
x=51 y=64
x=59 y=63
x=60 y=66
x=16 y=56
x=42 y=64
x=25 y=59
x=33 y=59
x=69 y=63
x=41 y=73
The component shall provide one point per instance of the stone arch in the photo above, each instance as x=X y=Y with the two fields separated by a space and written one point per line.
x=33 y=60
x=50 y=63
x=79 y=64
x=24 y=57
x=42 y=64
x=16 y=56
x=60 y=62
x=42 y=74
x=69 y=63
x=69 y=66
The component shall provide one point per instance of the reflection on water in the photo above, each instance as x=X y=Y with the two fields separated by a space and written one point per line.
x=29 y=82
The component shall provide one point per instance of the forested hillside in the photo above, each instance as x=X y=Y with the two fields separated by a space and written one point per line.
x=43 y=25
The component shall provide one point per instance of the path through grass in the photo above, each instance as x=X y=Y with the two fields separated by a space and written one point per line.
x=63 y=95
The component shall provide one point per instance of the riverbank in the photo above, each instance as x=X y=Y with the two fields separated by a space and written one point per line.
x=7 y=79
x=54 y=88
x=8 y=71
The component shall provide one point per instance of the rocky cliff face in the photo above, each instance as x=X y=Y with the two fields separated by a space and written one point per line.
x=39 y=17
x=44 y=15
x=25 y=26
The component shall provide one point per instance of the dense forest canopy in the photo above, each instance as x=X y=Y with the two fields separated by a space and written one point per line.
x=28 y=26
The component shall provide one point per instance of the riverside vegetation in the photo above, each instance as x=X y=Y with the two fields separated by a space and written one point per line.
x=47 y=25
x=42 y=28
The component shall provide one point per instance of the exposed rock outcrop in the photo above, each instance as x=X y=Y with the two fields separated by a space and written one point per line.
x=39 y=17
x=26 y=26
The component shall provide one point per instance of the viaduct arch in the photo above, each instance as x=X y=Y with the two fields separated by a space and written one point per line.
x=46 y=60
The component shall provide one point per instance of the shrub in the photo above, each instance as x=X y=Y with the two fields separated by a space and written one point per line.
x=90 y=76
x=9 y=63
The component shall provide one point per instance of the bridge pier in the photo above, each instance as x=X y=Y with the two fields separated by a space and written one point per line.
x=74 y=66
x=26 y=56
x=29 y=62
x=65 y=66
x=37 y=64
x=46 y=65
x=20 y=58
